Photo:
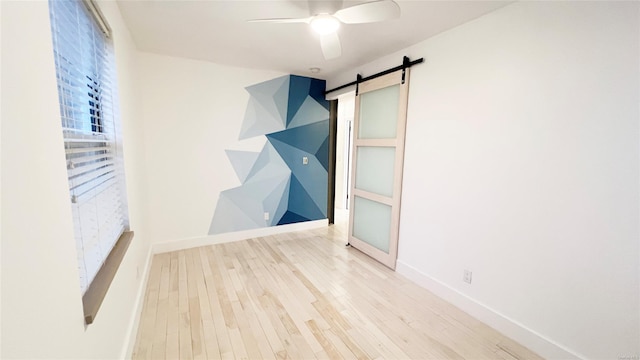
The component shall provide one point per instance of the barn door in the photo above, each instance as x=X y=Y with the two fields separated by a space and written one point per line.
x=378 y=154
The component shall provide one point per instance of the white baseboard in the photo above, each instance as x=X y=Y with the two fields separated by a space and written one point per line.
x=511 y=328
x=236 y=236
x=132 y=330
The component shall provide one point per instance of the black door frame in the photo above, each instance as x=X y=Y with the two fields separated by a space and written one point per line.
x=331 y=183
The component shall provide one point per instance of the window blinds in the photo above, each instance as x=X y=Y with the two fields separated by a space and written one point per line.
x=83 y=59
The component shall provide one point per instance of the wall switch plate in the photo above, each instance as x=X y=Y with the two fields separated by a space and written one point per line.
x=467 y=276
x=266 y=215
x=305 y=160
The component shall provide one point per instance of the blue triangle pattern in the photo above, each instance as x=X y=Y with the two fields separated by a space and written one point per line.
x=284 y=204
x=230 y=215
x=272 y=203
x=323 y=154
x=291 y=218
x=309 y=112
x=292 y=112
x=312 y=176
x=301 y=203
x=264 y=112
x=242 y=162
x=272 y=97
x=316 y=91
x=298 y=90
x=307 y=138
x=280 y=98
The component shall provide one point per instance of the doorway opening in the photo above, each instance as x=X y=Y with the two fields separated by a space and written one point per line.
x=344 y=140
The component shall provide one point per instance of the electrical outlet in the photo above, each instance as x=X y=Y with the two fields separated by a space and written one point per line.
x=266 y=215
x=305 y=160
x=138 y=272
x=467 y=276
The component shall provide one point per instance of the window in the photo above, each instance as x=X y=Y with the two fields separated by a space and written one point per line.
x=86 y=89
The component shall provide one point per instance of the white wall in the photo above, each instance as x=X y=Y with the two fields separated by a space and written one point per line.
x=193 y=112
x=522 y=162
x=42 y=314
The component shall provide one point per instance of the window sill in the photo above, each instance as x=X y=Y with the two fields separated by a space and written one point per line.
x=97 y=291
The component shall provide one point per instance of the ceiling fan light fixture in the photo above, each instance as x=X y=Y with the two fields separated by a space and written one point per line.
x=324 y=24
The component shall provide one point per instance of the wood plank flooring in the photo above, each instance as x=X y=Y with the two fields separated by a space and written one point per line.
x=301 y=295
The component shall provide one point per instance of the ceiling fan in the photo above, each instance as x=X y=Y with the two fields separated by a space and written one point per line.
x=326 y=25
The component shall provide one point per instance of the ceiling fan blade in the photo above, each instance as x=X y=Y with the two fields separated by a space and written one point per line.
x=330 y=45
x=369 y=12
x=281 y=20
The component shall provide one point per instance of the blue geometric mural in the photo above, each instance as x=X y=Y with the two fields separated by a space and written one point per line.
x=293 y=115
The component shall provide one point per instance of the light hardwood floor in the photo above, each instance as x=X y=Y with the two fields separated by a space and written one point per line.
x=301 y=296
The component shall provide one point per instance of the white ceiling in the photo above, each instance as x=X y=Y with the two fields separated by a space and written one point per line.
x=218 y=31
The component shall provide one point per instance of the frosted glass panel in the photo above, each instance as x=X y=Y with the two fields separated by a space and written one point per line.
x=372 y=223
x=374 y=169
x=379 y=113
